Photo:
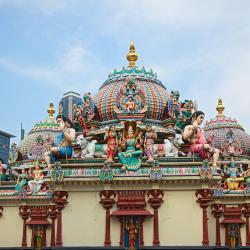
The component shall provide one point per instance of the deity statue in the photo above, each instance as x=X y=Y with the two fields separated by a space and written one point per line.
x=112 y=140
x=35 y=185
x=186 y=111
x=22 y=181
x=195 y=135
x=150 y=136
x=5 y=171
x=132 y=229
x=131 y=157
x=234 y=176
x=129 y=104
x=63 y=146
x=79 y=119
x=88 y=107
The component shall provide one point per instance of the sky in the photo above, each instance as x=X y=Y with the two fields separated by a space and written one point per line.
x=49 y=47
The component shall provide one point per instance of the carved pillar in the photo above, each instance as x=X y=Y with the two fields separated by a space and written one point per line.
x=226 y=236
x=204 y=197
x=52 y=214
x=121 y=243
x=1 y=210
x=60 y=199
x=240 y=243
x=217 y=210
x=246 y=212
x=141 y=232
x=44 y=236
x=24 y=213
x=155 y=200
x=107 y=200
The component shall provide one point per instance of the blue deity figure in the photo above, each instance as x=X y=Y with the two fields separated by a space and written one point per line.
x=131 y=157
x=63 y=146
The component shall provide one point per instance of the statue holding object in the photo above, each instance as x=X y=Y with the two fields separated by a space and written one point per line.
x=150 y=136
x=195 y=135
x=130 y=158
x=63 y=146
x=112 y=140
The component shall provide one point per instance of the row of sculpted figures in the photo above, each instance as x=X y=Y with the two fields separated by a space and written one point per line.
x=131 y=142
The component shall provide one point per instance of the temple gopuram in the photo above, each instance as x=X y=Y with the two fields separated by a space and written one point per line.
x=135 y=167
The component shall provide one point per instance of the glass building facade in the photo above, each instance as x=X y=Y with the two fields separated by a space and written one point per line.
x=67 y=102
x=4 y=145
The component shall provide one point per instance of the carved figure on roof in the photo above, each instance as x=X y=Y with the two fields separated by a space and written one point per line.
x=63 y=146
x=150 y=136
x=195 y=136
x=231 y=145
x=13 y=154
x=173 y=105
x=186 y=111
x=130 y=99
x=79 y=120
x=234 y=175
x=35 y=185
x=22 y=181
x=112 y=141
x=88 y=107
x=5 y=171
x=130 y=158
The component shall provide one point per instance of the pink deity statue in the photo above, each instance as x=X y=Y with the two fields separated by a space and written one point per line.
x=112 y=140
x=195 y=135
x=150 y=136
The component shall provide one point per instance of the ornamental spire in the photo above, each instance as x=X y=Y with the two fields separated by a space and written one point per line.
x=220 y=108
x=132 y=56
x=51 y=110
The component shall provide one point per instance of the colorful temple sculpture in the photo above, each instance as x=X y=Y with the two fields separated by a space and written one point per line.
x=132 y=169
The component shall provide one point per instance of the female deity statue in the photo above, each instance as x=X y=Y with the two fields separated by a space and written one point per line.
x=22 y=181
x=63 y=146
x=132 y=229
x=111 y=137
x=150 y=136
x=131 y=157
x=195 y=135
x=36 y=184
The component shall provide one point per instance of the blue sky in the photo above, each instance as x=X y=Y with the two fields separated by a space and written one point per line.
x=49 y=47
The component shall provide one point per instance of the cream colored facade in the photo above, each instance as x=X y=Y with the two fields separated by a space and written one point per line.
x=83 y=219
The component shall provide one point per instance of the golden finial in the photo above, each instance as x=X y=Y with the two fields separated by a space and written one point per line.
x=132 y=56
x=51 y=110
x=220 y=108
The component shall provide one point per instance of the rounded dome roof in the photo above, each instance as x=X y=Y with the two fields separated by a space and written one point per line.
x=223 y=131
x=154 y=91
x=36 y=142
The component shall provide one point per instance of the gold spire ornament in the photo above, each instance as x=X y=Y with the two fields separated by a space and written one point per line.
x=220 y=108
x=51 y=110
x=132 y=56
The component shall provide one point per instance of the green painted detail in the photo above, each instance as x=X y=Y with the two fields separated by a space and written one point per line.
x=130 y=71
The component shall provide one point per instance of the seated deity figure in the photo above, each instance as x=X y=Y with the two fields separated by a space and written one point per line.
x=22 y=181
x=235 y=176
x=63 y=147
x=36 y=184
x=129 y=104
x=195 y=135
x=131 y=157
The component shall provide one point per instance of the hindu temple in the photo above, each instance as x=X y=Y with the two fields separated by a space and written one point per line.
x=135 y=167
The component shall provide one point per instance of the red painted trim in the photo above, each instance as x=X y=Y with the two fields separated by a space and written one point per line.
x=24 y=213
x=204 y=197
x=44 y=236
x=226 y=235
x=246 y=212
x=107 y=200
x=130 y=212
x=121 y=219
x=155 y=200
x=217 y=212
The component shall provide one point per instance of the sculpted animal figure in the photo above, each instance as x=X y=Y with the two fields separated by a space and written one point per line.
x=171 y=148
x=87 y=147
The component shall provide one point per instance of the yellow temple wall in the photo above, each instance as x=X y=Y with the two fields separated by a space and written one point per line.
x=11 y=225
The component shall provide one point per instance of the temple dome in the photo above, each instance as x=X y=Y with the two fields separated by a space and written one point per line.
x=155 y=93
x=36 y=142
x=223 y=130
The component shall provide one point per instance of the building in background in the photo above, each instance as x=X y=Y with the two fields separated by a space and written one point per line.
x=5 y=145
x=66 y=104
